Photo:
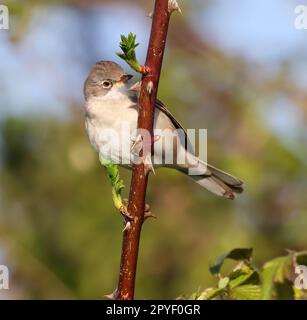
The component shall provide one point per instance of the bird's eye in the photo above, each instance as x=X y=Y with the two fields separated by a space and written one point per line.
x=107 y=84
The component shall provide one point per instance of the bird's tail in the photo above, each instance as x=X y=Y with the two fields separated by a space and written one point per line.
x=219 y=182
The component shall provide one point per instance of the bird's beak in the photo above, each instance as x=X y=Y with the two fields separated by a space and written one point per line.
x=125 y=78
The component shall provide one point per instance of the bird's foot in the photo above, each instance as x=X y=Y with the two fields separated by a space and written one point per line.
x=126 y=215
x=137 y=145
x=128 y=218
x=124 y=211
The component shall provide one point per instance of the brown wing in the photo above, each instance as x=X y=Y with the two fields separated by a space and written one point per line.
x=136 y=88
x=160 y=105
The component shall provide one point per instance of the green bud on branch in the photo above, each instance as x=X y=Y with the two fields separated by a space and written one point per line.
x=128 y=45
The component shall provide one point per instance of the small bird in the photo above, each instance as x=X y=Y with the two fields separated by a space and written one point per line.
x=110 y=102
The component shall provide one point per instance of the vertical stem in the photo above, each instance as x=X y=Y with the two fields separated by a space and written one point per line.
x=131 y=237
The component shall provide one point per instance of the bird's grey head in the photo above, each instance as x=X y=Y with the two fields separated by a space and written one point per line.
x=104 y=76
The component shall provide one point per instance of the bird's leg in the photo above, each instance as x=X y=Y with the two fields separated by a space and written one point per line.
x=147 y=214
x=117 y=187
x=137 y=145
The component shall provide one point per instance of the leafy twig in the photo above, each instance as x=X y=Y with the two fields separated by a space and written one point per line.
x=274 y=281
x=117 y=183
x=128 y=45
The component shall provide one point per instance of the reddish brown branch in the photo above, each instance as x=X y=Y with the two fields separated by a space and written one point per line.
x=130 y=247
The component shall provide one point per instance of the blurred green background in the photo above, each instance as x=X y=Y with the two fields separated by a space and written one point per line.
x=236 y=68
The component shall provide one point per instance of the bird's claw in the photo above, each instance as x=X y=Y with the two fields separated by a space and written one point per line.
x=128 y=218
x=125 y=213
x=137 y=145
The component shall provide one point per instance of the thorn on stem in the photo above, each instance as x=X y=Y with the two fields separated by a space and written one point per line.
x=148 y=215
x=148 y=166
x=149 y=87
x=113 y=295
x=124 y=211
x=127 y=226
x=137 y=145
x=173 y=6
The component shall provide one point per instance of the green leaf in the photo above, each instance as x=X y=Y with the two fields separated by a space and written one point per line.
x=246 y=292
x=274 y=276
x=240 y=277
x=235 y=254
x=243 y=273
x=239 y=280
x=128 y=45
x=195 y=295
x=211 y=293
x=223 y=283
x=284 y=269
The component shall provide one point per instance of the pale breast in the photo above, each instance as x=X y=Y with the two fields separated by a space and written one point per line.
x=119 y=116
x=107 y=122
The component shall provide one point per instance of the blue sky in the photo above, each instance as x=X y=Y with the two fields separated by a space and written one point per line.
x=261 y=30
x=37 y=71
